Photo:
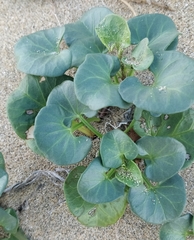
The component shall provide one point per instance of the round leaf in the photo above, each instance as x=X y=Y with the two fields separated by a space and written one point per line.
x=114 y=32
x=116 y=145
x=7 y=221
x=179 y=126
x=129 y=175
x=94 y=186
x=173 y=87
x=25 y=102
x=177 y=229
x=81 y=36
x=142 y=56
x=158 y=28
x=39 y=53
x=164 y=156
x=93 y=84
x=53 y=133
x=91 y=215
x=161 y=203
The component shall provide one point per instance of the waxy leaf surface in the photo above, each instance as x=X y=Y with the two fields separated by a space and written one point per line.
x=94 y=186
x=114 y=32
x=179 y=126
x=91 y=215
x=93 y=84
x=164 y=157
x=3 y=175
x=158 y=28
x=130 y=174
x=173 y=87
x=7 y=221
x=53 y=133
x=161 y=203
x=115 y=146
x=25 y=102
x=40 y=53
x=177 y=229
x=81 y=36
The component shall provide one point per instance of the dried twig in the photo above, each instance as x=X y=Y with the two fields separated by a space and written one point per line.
x=130 y=7
x=36 y=175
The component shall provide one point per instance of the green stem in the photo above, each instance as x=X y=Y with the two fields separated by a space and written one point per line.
x=190 y=233
x=116 y=80
x=130 y=126
x=110 y=173
x=146 y=181
x=89 y=126
x=19 y=235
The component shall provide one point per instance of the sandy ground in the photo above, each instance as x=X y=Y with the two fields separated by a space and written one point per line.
x=45 y=215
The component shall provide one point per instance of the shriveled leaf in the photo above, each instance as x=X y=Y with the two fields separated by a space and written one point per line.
x=81 y=36
x=53 y=133
x=114 y=32
x=91 y=215
x=142 y=56
x=115 y=146
x=8 y=221
x=173 y=87
x=179 y=126
x=40 y=53
x=164 y=156
x=26 y=101
x=158 y=28
x=3 y=175
x=177 y=229
x=130 y=175
x=93 y=84
x=94 y=185
x=161 y=203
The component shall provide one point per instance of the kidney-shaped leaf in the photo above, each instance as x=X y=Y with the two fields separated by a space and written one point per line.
x=115 y=146
x=25 y=102
x=158 y=28
x=53 y=133
x=3 y=175
x=173 y=87
x=114 y=32
x=161 y=203
x=93 y=84
x=164 y=156
x=81 y=36
x=91 y=215
x=40 y=53
x=179 y=126
x=94 y=186
x=177 y=229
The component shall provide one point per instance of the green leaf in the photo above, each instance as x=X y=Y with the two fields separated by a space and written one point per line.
x=94 y=186
x=53 y=133
x=40 y=54
x=26 y=101
x=81 y=36
x=114 y=32
x=141 y=57
x=3 y=175
x=173 y=87
x=115 y=146
x=130 y=174
x=158 y=28
x=161 y=203
x=164 y=156
x=91 y=215
x=31 y=143
x=179 y=126
x=93 y=84
x=8 y=221
x=177 y=229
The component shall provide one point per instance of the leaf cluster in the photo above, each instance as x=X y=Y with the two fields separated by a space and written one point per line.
x=50 y=107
